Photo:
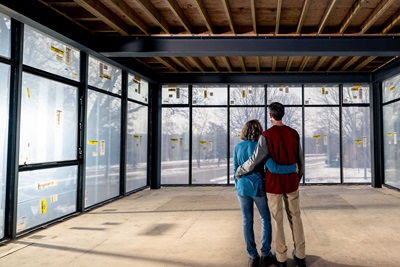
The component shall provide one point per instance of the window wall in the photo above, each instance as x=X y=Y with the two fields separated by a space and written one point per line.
x=391 y=130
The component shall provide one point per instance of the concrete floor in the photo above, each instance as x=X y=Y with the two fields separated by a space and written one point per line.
x=201 y=226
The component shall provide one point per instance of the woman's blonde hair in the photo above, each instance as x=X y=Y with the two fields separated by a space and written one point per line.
x=251 y=130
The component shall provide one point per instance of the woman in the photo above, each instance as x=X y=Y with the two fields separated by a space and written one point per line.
x=250 y=191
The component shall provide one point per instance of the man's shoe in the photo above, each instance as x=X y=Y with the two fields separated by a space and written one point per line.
x=281 y=264
x=254 y=262
x=299 y=262
x=268 y=260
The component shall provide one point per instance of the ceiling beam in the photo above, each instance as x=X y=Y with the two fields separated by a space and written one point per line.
x=252 y=46
x=334 y=63
x=99 y=10
x=326 y=16
x=273 y=67
x=155 y=14
x=123 y=7
x=258 y=68
x=304 y=63
x=278 y=15
x=319 y=63
x=302 y=16
x=176 y=9
x=289 y=64
x=391 y=22
x=349 y=63
x=229 y=16
x=364 y=63
x=213 y=63
x=168 y=63
x=182 y=62
x=242 y=64
x=227 y=63
x=253 y=15
x=378 y=12
x=197 y=63
x=203 y=13
x=351 y=14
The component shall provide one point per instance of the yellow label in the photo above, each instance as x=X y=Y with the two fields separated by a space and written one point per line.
x=205 y=93
x=44 y=185
x=28 y=92
x=106 y=76
x=389 y=134
x=358 y=141
x=58 y=51
x=93 y=142
x=243 y=93
x=43 y=206
x=136 y=78
x=316 y=136
x=203 y=142
x=171 y=89
x=174 y=139
x=392 y=88
x=323 y=90
x=136 y=137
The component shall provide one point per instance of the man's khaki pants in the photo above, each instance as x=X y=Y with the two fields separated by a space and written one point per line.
x=292 y=205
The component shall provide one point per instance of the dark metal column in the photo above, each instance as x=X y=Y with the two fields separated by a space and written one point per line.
x=17 y=34
x=124 y=109
x=376 y=136
x=155 y=136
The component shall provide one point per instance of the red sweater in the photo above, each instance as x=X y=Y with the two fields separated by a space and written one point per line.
x=284 y=147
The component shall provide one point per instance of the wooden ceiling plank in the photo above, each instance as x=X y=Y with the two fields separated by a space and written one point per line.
x=228 y=13
x=364 y=63
x=213 y=63
x=351 y=14
x=99 y=10
x=60 y=4
x=258 y=68
x=227 y=63
x=253 y=15
x=168 y=63
x=176 y=9
x=304 y=63
x=123 y=7
x=197 y=62
x=181 y=62
x=326 y=16
x=394 y=19
x=155 y=14
x=319 y=63
x=203 y=13
x=350 y=62
x=278 y=15
x=302 y=16
x=273 y=67
x=335 y=62
x=242 y=64
x=376 y=14
x=289 y=63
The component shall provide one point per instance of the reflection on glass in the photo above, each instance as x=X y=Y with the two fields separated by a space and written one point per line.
x=321 y=151
x=391 y=141
x=246 y=95
x=284 y=93
x=102 y=147
x=45 y=195
x=49 y=121
x=321 y=94
x=209 y=94
x=391 y=89
x=209 y=146
x=4 y=107
x=104 y=76
x=48 y=54
x=238 y=118
x=5 y=26
x=136 y=147
x=356 y=145
x=175 y=146
x=175 y=94
x=355 y=93
x=138 y=89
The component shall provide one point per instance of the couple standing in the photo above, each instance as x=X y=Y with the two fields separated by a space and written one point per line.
x=278 y=144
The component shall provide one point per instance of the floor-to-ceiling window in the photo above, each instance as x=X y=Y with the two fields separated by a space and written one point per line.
x=391 y=130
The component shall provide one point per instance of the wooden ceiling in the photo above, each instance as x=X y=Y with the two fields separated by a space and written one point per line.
x=239 y=19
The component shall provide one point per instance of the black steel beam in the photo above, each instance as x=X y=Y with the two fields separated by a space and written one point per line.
x=248 y=46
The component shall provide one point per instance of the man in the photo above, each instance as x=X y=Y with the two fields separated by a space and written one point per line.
x=282 y=143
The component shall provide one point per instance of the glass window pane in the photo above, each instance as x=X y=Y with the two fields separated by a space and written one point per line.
x=238 y=118
x=209 y=162
x=103 y=147
x=391 y=141
x=391 y=89
x=355 y=93
x=136 y=147
x=49 y=121
x=45 y=195
x=4 y=108
x=293 y=118
x=284 y=93
x=321 y=94
x=104 y=76
x=138 y=89
x=247 y=95
x=322 y=158
x=175 y=146
x=48 y=54
x=5 y=26
x=175 y=94
x=209 y=94
x=356 y=145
